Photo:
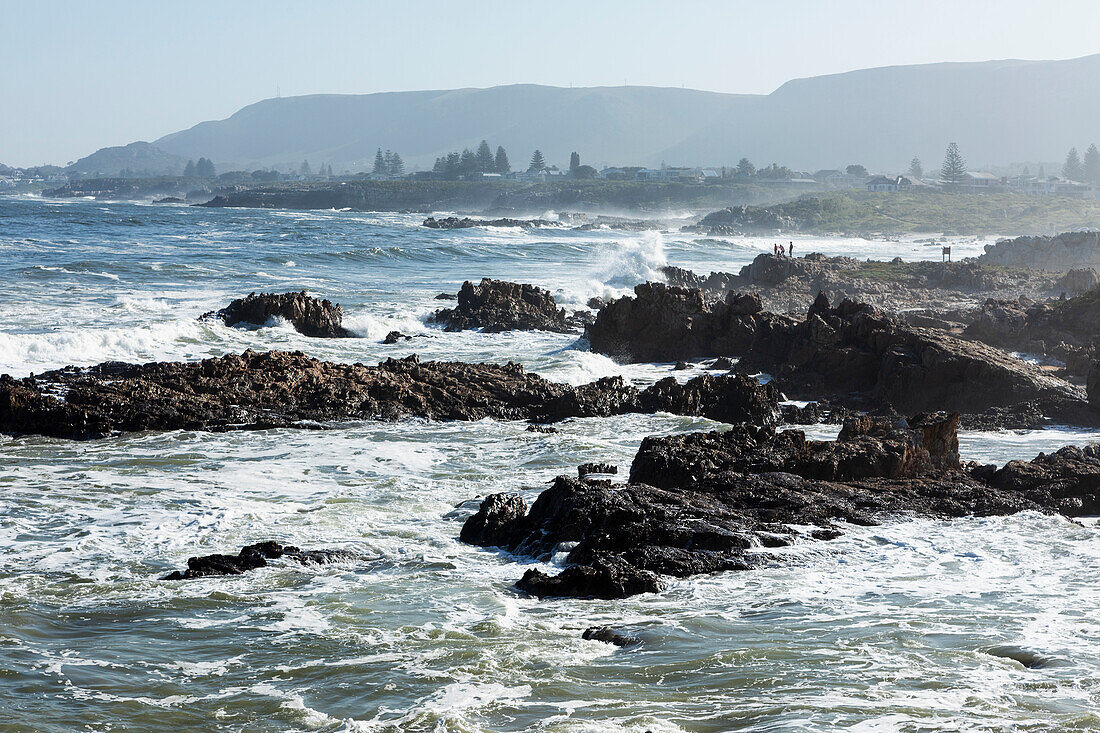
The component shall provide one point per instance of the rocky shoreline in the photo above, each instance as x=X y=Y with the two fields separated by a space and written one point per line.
x=708 y=502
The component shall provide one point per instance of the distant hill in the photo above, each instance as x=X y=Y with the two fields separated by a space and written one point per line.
x=998 y=112
x=140 y=159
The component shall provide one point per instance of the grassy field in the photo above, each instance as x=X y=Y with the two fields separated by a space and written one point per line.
x=936 y=212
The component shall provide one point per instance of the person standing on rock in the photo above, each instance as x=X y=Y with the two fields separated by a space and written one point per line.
x=775 y=249
x=790 y=249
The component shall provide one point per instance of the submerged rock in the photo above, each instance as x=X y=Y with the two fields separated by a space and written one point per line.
x=274 y=389
x=454 y=222
x=705 y=502
x=498 y=305
x=608 y=635
x=251 y=557
x=308 y=315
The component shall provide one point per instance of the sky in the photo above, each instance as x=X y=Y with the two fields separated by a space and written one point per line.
x=78 y=76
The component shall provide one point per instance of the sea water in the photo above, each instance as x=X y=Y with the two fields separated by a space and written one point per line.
x=914 y=625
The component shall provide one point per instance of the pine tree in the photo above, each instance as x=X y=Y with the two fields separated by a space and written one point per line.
x=189 y=169
x=1072 y=167
x=468 y=162
x=1091 y=168
x=379 y=163
x=538 y=163
x=916 y=170
x=501 y=163
x=574 y=162
x=485 y=162
x=394 y=165
x=856 y=170
x=954 y=167
x=204 y=168
x=1042 y=173
x=745 y=168
x=304 y=169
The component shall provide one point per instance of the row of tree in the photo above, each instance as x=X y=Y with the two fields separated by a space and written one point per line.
x=388 y=163
x=1087 y=170
x=204 y=168
x=456 y=165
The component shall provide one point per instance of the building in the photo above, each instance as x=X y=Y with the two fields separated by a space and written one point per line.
x=837 y=179
x=978 y=181
x=889 y=183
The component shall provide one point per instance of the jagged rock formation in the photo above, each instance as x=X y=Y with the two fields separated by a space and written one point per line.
x=851 y=354
x=896 y=284
x=664 y=323
x=739 y=219
x=251 y=557
x=289 y=389
x=699 y=503
x=1058 y=253
x=308 y=315
x=499 y=305
x=454 y=222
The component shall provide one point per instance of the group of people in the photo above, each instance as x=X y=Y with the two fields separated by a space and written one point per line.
x=781 y=251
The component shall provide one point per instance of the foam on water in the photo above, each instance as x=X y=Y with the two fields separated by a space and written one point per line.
x=975 y=624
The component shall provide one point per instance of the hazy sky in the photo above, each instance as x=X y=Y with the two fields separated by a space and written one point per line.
x=77 y=76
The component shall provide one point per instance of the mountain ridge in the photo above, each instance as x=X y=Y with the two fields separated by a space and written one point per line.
x=998 y=111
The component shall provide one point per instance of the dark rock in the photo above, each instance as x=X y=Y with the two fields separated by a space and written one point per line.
x=681 y=366
x=723 y=362
x=454 y=222
x=446 y=296
x=701 y=503
x=289 y=389
x=542 y=429
x=394 y=336
x=252 y=557
x=497 y=305
x=608 y=635
x=604 y=468
x=309 y=316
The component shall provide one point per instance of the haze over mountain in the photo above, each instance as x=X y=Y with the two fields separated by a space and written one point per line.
x=998 y=111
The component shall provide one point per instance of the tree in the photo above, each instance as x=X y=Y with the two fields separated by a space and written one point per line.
x=585 y=172
x=189 y=169
x=538 y=163
x=1091 y=168
x=954 y=167
x=916 y=170
x=574 y=162
x=745 y=168
x=379 y=163
x=501 y=164
x=485 y=162
x=204 y=168
x=304 y=169
x=468 y=162
x=1071 y=169
x=1042 y=173
x=856 y=170
x=393 y=164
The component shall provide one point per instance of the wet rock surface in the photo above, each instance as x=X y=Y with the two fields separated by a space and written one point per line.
x=252 y=557
x=259 y=390
x=498 y=305
x=309 y=316
x=708 y=502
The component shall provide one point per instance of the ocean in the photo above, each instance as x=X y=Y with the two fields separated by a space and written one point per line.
x=982 y=624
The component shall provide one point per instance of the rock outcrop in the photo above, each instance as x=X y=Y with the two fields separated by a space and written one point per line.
x=666 y=323
x=850 y=354
x=308 y=315
x=498 y=305
x=251 y=557
x=454 y=222
x=710 y=502
x=1057 y=254
x=255 y=390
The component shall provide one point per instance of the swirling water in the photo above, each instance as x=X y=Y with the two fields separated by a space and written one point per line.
x=916 y=625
